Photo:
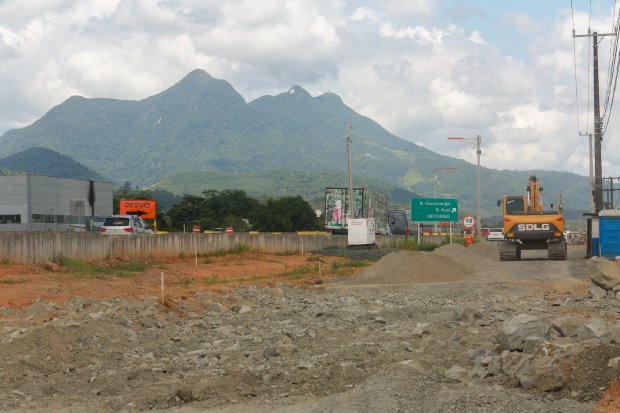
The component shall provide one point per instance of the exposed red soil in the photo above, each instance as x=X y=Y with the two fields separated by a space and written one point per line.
x=21 y=285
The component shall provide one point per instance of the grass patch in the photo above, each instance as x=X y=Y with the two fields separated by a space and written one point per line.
x=348 y=264
x=297 y=272
x=236 y=249
x=9 y=282
x=186 y=281
x=215 y=280
x=207 y=261
x=315 y=259
x=121 y=270
x=74 y=264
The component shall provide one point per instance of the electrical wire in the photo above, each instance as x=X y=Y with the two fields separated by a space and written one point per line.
x=613 y=71
x=611 y=165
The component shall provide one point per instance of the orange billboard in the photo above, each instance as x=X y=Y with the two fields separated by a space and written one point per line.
x=142 y=208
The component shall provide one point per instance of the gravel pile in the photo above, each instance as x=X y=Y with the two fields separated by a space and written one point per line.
x=418 y=332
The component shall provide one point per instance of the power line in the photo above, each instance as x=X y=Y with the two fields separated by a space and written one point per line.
x=611 y=165
x=613 y=71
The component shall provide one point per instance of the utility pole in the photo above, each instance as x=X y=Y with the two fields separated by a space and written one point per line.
x=598 y=172
x=592 y=191
x=351 y=196
x=475 y=141
x=598 y=138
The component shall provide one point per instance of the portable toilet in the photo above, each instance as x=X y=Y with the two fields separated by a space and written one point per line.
x=609 y=233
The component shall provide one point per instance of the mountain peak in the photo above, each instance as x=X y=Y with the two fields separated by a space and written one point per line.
x=197 y=75
x=299 y=91
x=199 y=86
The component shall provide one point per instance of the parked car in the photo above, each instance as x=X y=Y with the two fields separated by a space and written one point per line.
x=124 y=225
x=495 y=234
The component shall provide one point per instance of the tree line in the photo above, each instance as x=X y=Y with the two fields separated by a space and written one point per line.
x=227 y=208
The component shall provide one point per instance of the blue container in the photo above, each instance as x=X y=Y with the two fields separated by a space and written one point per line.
x=609 y=233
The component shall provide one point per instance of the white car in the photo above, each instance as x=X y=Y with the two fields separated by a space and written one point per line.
x=495 y=234
x=125 y=225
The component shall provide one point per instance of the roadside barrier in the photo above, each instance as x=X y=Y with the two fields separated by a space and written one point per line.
x=41 y=247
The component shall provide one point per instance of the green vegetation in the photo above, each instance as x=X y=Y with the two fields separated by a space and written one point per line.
x=297 y=272
x=235 y=249
x=208 y=126
x=234 y=208
x=348 y=264
x=186 y=281
x=46 y=162
x=120 y=269
x=9 y=282
x=215 y=280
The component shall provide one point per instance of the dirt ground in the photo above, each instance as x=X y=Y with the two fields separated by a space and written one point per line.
x=22 y=285
x=252 y=332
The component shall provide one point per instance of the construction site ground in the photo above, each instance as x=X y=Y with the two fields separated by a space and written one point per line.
x=319 y=332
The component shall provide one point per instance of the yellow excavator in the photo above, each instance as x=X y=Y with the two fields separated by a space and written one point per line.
x=528 y=226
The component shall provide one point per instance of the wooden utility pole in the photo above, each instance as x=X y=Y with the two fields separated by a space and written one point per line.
x=598 y=171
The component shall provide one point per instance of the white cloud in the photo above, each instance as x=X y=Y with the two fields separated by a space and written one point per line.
x=397 y=62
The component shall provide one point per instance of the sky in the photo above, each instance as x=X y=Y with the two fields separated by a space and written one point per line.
x=509 y=71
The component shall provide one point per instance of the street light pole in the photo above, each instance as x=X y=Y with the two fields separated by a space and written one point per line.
x=435 y=181
x=351 y=195
x=475 y=141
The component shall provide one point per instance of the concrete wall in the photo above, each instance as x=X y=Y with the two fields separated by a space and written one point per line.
x=41 y=247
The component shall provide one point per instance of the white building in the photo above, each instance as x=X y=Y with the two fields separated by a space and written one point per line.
x=44 y=203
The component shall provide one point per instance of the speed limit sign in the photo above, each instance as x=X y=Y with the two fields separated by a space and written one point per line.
x=469 y=222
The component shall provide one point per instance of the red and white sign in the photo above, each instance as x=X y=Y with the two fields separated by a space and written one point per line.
x=229 y=229
x=469 y=222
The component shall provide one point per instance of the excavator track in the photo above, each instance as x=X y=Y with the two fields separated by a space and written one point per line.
x=557 y=251
x=509 y=251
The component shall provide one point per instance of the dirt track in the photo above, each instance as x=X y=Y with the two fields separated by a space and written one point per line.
x=384 y=340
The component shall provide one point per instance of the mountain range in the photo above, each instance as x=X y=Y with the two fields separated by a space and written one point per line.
x=201 y=134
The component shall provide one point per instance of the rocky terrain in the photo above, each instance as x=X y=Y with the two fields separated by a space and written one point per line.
x=455 y=330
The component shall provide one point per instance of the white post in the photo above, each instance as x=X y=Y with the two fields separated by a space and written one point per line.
x=418 y=232
x=196 y=257
x=319 y=268
x=162 y=288
x=450 y=232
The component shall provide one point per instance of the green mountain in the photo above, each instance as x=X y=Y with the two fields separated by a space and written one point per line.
x=203 y=124
x=46 y=162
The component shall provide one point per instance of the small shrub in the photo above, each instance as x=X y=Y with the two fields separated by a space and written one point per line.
x=315 y=258
x=301 y=270
x=132 y=266
x=186 y=281
x=74 y=264
x=235 y=249
x=207 y=261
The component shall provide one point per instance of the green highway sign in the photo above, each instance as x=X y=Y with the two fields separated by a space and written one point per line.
x=434 y=210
